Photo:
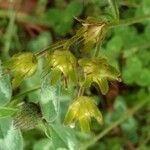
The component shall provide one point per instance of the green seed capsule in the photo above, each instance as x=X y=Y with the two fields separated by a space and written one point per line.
x=28 y=117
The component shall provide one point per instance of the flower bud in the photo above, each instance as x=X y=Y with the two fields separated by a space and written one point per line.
x=82 y=110
x=98 y=70
x=23 y=66
x=62 y=62
x=94 y=32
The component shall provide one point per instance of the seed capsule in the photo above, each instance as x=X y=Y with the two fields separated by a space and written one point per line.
x=28 y=117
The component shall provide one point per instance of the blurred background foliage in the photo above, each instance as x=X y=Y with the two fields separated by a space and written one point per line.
x=32 y=25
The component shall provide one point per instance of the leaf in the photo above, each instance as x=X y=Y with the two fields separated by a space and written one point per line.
x=62 y=137
x=114 y=47
x=144 y=8
x=74 y=9
x=10 y=138
x=5 y=89
x=130 y=127
x=6 y=111
x=132 y=68
x=115 y=8
x=62 y=20
x=43 y=144
x=40 y=42
x=119 y=108
x=144 y=78
x=49 y=100
x=129 y=36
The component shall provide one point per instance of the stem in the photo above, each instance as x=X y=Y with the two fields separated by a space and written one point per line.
x=97 y=49
x=9 y=32
x=81 y=91
x=124 y=117
x=26 y=92
x=130 y=21
x=135 y=48
x=16 y=99
x=114 y=8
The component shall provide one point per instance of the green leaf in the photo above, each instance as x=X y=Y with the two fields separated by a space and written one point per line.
x=44 y=144
x=10 y=138
x=119 y=108
x=5 y=89
x=144 y=78
x=128 y=35
x=114 y=47
x=6 y=111
x=144 y=8
x=74 y=9
x=130 y=127
x=115 y=8
x=131 y=70
x=40 y=42
x=62 y=20
x=49 y=100
x=62 y=137
x=120 y=105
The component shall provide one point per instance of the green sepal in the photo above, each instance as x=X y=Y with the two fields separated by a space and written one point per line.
x=84 y=124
